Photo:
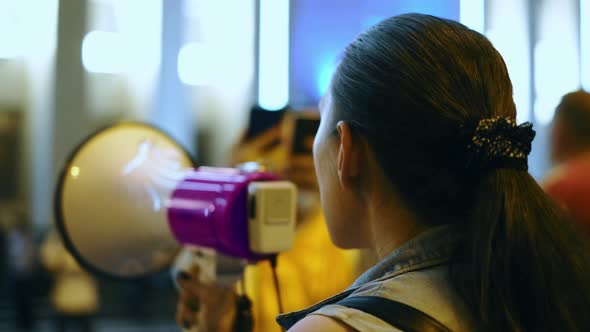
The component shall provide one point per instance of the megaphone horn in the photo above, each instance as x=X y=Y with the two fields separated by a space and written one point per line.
x=129 y=195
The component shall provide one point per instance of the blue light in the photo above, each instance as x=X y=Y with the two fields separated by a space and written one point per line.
x=321 y=30
x=372 y=20
x=273 y=53
x=325 y=77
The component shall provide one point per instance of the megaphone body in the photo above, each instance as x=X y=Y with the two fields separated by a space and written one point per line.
x=130 y=195
x=217 y=207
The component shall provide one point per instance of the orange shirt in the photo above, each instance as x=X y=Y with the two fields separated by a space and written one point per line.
x=569 y=185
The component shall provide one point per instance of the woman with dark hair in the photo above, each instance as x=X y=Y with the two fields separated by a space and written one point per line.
x=419 y=157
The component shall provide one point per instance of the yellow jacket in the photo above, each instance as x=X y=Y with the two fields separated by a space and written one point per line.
x=312 y=271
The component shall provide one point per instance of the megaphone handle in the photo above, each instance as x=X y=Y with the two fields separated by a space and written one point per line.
x=201 y=261
x=195 y=258
x=244 y=321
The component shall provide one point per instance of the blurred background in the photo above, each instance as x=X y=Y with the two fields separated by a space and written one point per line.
x=213 y=74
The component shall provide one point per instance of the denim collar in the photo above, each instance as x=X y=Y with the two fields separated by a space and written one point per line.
x=430 y=248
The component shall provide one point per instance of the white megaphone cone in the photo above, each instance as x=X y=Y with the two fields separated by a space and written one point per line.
x=111 y=200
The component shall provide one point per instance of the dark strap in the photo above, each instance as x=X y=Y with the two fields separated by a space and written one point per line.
x=396 y=314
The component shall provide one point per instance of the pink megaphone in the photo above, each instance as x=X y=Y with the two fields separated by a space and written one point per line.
x=129 y=195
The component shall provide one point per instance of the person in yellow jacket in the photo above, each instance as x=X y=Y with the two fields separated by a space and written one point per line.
x=303 y=273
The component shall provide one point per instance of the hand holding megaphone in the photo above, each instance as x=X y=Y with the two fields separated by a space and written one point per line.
x=204 y=304
x=129 y=196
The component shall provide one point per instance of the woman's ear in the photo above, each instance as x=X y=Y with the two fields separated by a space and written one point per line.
x=349 y=155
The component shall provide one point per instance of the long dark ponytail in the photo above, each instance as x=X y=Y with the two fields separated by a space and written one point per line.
x=408 y=84
x=525 y=267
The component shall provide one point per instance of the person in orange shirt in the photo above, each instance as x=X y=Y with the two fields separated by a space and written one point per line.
x=569 y=182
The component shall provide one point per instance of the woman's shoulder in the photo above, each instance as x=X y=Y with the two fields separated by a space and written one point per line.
x=317 y=322
x=428 y=290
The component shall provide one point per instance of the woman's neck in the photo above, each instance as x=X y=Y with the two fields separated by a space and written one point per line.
x=391 y=223
x=391 y=226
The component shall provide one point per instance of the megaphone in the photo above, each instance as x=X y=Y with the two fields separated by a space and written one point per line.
x=129 y=196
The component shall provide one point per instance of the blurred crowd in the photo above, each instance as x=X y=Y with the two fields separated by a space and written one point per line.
x=42 y=282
